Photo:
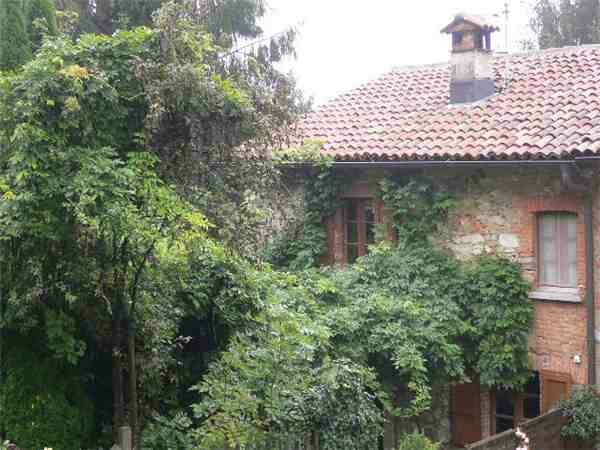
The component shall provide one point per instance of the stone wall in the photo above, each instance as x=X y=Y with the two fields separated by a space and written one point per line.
x=543 y=433
x=435 y=423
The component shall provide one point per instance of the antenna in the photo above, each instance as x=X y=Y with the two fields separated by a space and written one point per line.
x=506 y=13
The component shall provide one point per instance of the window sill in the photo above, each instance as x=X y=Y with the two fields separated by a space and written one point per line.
x=556 y=294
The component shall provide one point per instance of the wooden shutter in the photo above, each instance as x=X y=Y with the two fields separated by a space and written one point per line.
x=555 y=387
x=466 y=414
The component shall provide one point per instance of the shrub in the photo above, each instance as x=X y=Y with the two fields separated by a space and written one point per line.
x=168 y=433
x=582 y=411
x=417 y=441
x=45 y=404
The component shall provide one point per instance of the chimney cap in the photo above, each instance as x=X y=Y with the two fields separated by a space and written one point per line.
x=477 y=21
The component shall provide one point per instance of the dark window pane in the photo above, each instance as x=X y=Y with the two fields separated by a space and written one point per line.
x=352 y=253
x=351 y=210
x=533 y=385
x=370 y=233
x=505 y=404
x=369 y=213
x=531 y=407
x=352 y=233
x=503 y=424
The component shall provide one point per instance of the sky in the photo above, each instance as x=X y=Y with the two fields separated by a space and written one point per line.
x=344 y=43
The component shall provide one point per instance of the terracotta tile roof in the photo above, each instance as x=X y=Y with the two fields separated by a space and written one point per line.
x=547 y=106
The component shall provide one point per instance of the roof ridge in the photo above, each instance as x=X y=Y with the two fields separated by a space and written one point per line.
x=411 y=67
x=564 y=49
x=498 y=55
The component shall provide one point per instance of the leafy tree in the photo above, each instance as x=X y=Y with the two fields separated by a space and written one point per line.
x=93 y=230
x=565 y=22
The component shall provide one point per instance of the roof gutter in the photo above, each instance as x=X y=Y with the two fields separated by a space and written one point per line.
x=483 y=163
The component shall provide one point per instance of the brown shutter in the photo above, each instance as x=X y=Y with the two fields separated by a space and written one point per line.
x=329 y=258
x=466 y=414
x=555 y=387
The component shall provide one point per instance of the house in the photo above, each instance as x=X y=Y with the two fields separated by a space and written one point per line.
x=528 y=127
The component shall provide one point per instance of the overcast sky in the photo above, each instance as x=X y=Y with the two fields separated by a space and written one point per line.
x=344 y=43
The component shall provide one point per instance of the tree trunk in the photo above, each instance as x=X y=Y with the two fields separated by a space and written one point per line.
x=133 y=393
x=117 y=373
x=2 y=315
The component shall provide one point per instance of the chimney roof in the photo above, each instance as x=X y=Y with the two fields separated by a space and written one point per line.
x=478 y=21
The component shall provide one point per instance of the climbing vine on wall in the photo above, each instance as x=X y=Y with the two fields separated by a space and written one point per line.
x=304 y=241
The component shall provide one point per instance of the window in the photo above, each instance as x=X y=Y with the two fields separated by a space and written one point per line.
x=557 y=246
x=510 y=408
x=360 y=220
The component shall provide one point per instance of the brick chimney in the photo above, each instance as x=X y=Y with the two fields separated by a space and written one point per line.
x=472 y=59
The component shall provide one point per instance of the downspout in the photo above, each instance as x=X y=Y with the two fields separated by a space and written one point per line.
x=590 y=285
x=587 y=190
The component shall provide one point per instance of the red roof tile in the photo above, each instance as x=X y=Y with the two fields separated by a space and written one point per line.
x=547 y=106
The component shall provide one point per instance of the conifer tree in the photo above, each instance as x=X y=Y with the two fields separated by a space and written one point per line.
x=558 y=23
x=44 y=10
x=21 y=31
x=15 y=45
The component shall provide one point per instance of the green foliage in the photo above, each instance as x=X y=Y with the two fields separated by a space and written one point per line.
x=582 y=412
x=565 y=22
x=304 y=243
x=401 y=319
x=310 y=154
x=110 y=148
x=45 y=404
x=417 y=442
x=274 y=378
x=60 y=330
x=168 y=433
x=495 y=296
x=412 y=312
x=418 y=206
x=23 y=24
x=41 y=16
x=342 y=407
x=15 y=49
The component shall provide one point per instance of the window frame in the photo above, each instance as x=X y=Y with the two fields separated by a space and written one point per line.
x=362 y=243
x=518 y=400
x=561 y=243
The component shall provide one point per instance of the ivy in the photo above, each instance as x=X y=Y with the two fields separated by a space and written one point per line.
x=418 y=207
x=305 y=242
